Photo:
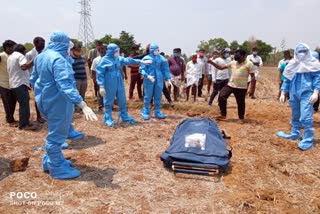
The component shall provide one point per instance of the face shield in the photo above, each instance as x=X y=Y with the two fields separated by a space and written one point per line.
x=301 y=52
x=117 y=54
x=70 y=47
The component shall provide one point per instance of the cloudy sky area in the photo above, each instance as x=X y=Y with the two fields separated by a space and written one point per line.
x=169 y=23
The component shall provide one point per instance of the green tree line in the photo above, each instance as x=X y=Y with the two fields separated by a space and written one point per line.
x=218 y=44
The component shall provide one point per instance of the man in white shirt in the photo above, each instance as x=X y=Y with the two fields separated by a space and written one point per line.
x=18 y=66
x=257 y=62
x=7 y=97
x=39 y=44
x=102 y=52
x=202 y=60
x=220 y=77
x=193 y=74
x=93 y=53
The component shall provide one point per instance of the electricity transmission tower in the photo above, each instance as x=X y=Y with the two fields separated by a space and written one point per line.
x=85 y=28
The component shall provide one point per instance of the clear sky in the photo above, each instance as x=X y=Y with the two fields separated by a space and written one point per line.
x=169 y=23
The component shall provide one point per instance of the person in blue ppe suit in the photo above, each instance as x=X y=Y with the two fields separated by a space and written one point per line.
x=56 y=94
x=154 y=75
x=111 y=83
x=302 y=81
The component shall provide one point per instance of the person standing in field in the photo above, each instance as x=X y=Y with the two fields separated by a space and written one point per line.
x=257 y=62
x=220 y=77
x=302 y=81
x=202 y=60
x=54 y=87
x=154 y=75
x=18 y=69
x=39 y=44
x=165 y=90
x=7 y=96
x=193 y=74
x=79 y=68
x=281 y=66
x=177 y=69
x=240 y=68
x=111 y=83
x=135 y=77
x=102 y=52
x=93 y=53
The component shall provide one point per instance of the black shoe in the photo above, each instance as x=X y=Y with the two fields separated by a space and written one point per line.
x=14 y=123
x=29 y=127
x=220 y=117
x=41 y=120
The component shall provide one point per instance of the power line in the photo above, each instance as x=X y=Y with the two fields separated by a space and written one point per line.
x=85 y=28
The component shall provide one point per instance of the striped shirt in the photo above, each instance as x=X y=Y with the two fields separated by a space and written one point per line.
x=79 y=68
x=240 y=73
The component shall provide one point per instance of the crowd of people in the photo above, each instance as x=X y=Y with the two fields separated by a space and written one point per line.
x=57 y=76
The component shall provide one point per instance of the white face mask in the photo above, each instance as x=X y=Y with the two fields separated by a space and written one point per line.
x=301 y=56
x=116 y=54
x=156 y=52
x=254 y=53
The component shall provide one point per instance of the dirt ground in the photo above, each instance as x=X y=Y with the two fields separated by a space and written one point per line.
x=121 y=171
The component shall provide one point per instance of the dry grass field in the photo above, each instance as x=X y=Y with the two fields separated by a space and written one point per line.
x=121 y=171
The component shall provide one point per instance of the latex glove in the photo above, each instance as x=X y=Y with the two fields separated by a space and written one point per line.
x=282 y=97
x=314 y=97
x=168 y=83
x=102 y=91
x=146 y=62
x=87 y=111
x=151 y=78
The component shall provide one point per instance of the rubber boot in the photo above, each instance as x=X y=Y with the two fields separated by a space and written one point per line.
x=307 y=140
x=145 y=113
x=127 y=118
x=59 y=168
x=75 y=135
x=159 y=115
x=45 y=162
x=294 y=135
x=65 y=145
x=108 y=118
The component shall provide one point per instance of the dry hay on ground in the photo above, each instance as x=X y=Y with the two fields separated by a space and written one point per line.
x=122 y=173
